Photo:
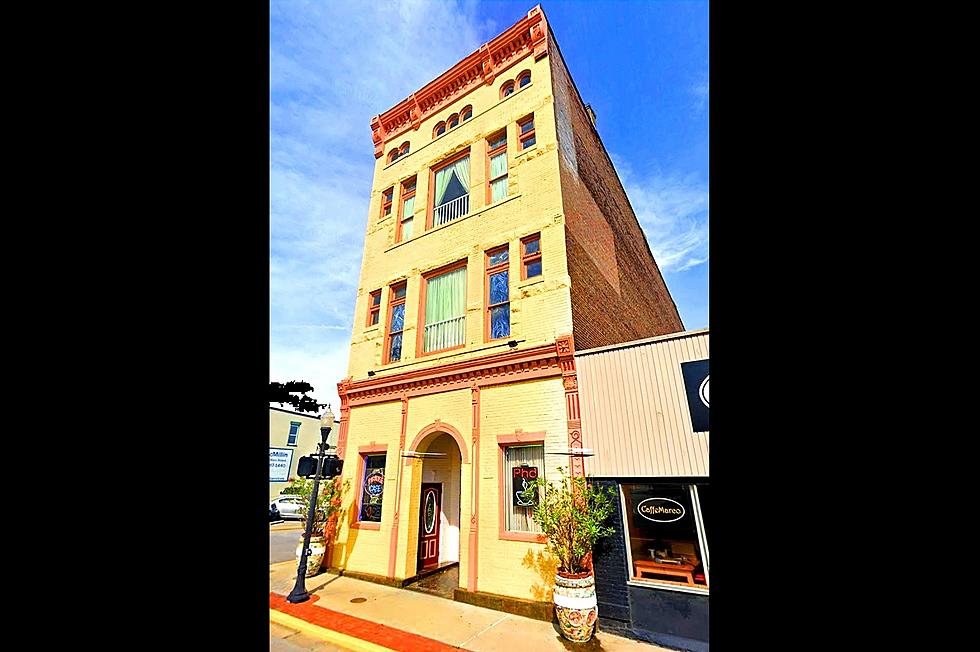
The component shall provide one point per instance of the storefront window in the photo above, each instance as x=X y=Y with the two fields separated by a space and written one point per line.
x=372 y=488
x=662 y=531
x=528 y=460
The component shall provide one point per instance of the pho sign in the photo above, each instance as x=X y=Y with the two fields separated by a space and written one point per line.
x=521 y=477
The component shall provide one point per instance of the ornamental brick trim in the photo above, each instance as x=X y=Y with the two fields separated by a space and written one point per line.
x=509 y=367
x=529 y=34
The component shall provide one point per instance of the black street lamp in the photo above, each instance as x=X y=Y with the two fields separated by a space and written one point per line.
x=299 y=593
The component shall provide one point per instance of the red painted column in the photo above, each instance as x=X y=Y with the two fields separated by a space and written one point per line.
x=393 y=544
x=475 y=493
x=566 y=358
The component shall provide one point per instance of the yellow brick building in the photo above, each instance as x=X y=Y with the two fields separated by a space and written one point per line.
x=468 y=313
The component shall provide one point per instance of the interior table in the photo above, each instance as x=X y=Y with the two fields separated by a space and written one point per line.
x=658 y=568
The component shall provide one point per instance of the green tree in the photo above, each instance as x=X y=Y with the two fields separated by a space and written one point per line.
x=327 y=503
x=295 y=393
x=573 y=515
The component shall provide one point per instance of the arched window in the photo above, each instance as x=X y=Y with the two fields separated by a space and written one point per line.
x=454 y=120
x=393 y=154
x=524 y=79
x=439 y=130
x=466 y=113
x=403 y=150
x=506 y=89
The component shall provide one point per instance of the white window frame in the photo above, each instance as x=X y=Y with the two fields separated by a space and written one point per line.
x=294 y=436
x=702 y=541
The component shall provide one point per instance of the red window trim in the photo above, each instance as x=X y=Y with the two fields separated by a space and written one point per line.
x=420 y=337
x=386 y=202
x=505 y=86
x=526 y=259
x=523 y=137
x=362 y=453
x=374 y=309
x=392 y=302
x=401 y=205
x=435 y=130
x=526 y=73
x=432 y=183
x=468 y=107
x=490 y=154
x=504 y=441
x=499 y=267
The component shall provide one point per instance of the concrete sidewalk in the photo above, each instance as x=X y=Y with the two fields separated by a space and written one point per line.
x=357 y=615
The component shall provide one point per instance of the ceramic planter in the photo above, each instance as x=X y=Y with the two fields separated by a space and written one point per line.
x=318 y=547
x=575 y=605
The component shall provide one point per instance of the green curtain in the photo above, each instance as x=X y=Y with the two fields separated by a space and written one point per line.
x=462 y=170
x=445 y=299
x=498 y=166
x=408 y=209
x=442 y=182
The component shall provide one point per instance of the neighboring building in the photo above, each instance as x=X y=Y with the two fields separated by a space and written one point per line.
x=291 y=436
x=645 y=415
x=499 y=239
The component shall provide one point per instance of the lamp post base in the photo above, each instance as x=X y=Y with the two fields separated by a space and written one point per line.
x=298 y=596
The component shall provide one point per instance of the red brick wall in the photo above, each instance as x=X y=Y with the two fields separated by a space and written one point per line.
x=617 y=291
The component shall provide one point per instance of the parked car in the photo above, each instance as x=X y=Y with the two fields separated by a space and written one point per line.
x=290 y=507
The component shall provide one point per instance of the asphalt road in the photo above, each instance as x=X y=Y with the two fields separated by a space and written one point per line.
x=282 y=545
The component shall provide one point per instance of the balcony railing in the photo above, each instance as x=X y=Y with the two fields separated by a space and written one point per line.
x=451 y=210
x=445 y=334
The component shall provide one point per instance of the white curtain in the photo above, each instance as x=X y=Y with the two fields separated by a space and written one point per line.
x=445 y=310
x=518 y=519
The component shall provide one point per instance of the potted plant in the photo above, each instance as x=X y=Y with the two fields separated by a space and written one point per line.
x=325 y=516
x=572 y=515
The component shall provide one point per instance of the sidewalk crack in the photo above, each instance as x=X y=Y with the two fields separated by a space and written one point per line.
x=485 y=630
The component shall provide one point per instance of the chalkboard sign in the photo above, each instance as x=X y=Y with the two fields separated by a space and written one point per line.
x=521 y=478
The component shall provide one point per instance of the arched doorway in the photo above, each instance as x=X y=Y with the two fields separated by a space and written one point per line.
x=437 y=494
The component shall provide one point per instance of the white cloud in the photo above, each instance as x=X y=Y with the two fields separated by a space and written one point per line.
x=333 y=66
x=673 y=211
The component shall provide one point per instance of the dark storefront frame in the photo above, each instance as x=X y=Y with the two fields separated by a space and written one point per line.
x=670 y=615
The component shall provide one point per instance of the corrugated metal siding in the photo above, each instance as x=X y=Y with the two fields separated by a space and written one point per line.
x=634 y=409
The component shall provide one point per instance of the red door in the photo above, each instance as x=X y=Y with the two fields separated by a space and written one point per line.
x=429 y=525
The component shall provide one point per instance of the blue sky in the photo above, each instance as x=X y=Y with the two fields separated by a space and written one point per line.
x=643 y=65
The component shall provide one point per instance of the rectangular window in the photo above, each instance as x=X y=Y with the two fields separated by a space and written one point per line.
x=451 y=190
x=497 y=167
x=528 y=460
x=525 y=133
x=498 y=294
x=396 y=324
x=445 y=310
x=293 y=432
x=665 y=534
x=406 y=212
x=531 y=256
x=374 y=307
x=386 y=202
x=372 y=488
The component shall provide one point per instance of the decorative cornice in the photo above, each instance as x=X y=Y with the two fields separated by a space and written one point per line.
x=507 y=367
x=529 y=34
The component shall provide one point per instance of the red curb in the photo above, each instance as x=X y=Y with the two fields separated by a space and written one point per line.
x=365 y=630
